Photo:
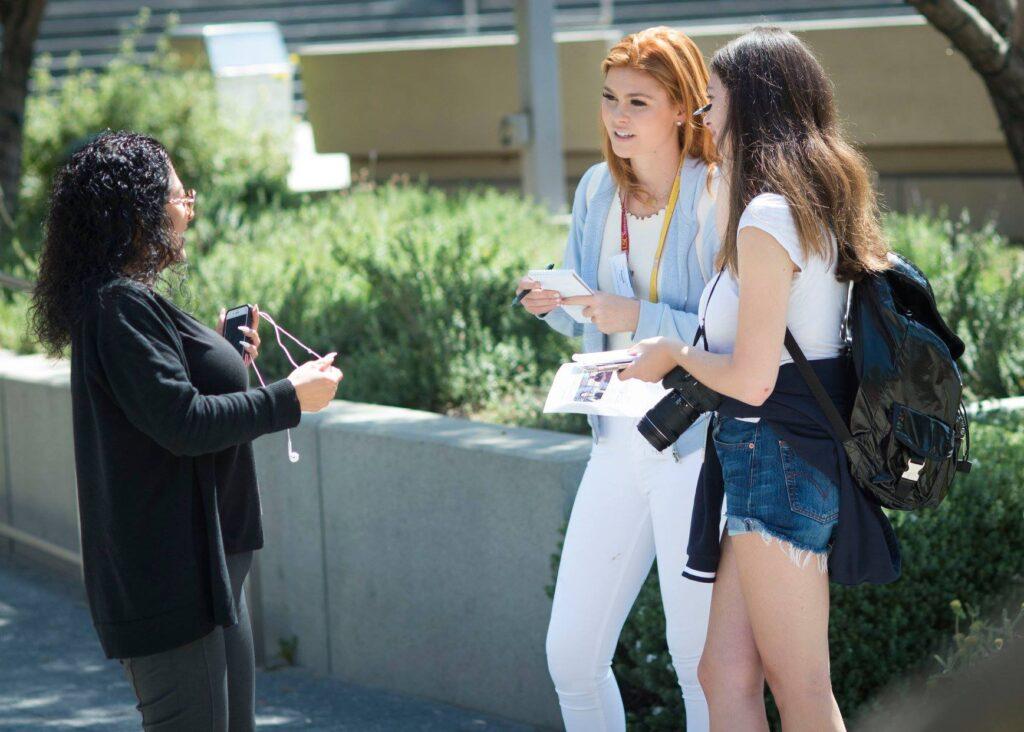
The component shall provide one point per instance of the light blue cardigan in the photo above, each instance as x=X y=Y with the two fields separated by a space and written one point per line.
x=680 y=279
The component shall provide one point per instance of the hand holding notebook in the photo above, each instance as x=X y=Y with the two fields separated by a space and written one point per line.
x=566 y=283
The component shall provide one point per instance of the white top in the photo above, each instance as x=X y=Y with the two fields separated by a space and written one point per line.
x=644 y=233
x=643 y=246
x=817 y=301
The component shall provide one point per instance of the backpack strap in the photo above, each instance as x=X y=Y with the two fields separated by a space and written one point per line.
x=820 y=395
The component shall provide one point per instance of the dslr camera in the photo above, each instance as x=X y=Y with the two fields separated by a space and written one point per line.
x=678 y=410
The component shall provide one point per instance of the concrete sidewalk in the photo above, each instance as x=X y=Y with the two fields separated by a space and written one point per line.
x=53 y=676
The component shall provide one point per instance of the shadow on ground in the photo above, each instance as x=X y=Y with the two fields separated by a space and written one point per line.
x=53 y=676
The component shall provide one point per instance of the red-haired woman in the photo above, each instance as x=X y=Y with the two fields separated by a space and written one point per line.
x=644 y=239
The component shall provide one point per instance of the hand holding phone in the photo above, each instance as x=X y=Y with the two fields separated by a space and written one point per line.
x=239 y=327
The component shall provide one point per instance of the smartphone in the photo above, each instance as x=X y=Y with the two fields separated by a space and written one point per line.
x=235 y=317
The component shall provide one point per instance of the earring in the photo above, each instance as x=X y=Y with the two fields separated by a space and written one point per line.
x=679 y=123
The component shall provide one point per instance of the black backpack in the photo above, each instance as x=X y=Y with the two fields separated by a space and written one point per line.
x=908 y=422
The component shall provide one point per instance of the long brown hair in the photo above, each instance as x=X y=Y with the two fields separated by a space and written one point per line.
x=675 y=62
x=782 y=133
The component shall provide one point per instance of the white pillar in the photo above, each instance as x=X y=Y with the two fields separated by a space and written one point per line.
x=542 y=154
x=471 y=15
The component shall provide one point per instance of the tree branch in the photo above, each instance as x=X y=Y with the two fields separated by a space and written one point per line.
x=998 y=57
x=991 y=55
x=969 y=31
x=20 y=20
x=1017 y=30
x=997 y=12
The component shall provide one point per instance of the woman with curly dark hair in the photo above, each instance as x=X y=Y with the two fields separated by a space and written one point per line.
x=163 y=424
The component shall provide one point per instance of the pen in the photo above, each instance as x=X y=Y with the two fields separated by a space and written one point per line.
x=519 y=298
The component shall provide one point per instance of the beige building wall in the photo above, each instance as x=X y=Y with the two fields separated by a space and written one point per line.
x=435 y=106
x=913 y=105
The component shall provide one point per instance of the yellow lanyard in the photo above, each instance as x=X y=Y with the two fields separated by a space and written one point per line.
x=671 y=209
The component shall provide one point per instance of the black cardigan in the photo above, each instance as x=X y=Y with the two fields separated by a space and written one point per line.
x=146 y=442
x=864 y=546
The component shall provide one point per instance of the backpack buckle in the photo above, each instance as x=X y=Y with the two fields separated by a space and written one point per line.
x=913 y=471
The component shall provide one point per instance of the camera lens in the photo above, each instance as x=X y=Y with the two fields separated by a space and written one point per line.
x=667 y=420
x=678 y=410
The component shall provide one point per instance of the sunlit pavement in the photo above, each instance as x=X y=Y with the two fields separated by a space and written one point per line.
x=53 y=676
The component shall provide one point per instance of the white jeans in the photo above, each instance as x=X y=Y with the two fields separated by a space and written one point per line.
x=633 y=505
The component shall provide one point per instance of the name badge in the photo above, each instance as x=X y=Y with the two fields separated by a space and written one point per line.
x=620 y=275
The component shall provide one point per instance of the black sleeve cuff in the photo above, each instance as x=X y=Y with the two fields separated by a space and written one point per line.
x=284 y=402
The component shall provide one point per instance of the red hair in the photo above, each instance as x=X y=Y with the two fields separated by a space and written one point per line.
x=675 y=62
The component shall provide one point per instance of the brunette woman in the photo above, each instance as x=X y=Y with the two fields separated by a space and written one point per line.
x=802 y=224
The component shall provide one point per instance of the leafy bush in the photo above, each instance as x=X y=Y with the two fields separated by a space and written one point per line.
x=409 y=285
x=382 y=273
x=980 y=638
x=979 y=285
x=234 y=169
x=968 y=549
x=13 y=318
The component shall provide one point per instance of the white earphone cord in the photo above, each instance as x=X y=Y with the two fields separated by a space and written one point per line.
x=278 y=330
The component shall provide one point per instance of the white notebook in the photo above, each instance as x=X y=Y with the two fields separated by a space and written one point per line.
x=567 y=284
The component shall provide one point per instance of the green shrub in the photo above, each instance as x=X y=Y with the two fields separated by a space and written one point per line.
x=234 y=169
x=977 y=639
x=968 y=549
x=13 y=317
x=410 y=286
x=978 y=280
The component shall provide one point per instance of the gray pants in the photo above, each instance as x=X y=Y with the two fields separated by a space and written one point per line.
x=207 y=685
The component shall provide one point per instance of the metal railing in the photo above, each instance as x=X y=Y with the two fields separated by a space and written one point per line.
x=15 y=283
x=40 y=545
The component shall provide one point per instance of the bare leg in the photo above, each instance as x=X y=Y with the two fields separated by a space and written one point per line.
x=730 y=669
x=787 y=607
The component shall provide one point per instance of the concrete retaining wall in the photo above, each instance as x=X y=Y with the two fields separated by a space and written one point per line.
x=405 y=550
x=37 y=469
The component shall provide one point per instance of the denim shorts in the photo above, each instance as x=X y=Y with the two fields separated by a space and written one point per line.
x=771 y=491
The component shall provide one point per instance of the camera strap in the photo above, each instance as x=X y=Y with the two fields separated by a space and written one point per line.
x=702 y=334
x=278 y=331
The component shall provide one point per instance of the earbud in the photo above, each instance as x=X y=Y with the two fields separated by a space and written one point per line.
x=293 y=456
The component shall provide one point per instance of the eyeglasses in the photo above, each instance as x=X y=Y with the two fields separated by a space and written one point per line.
x=703 y=110
x=188 y=200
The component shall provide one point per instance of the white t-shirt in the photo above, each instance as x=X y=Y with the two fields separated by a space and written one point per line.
x=644 y=234
x=817 y=301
